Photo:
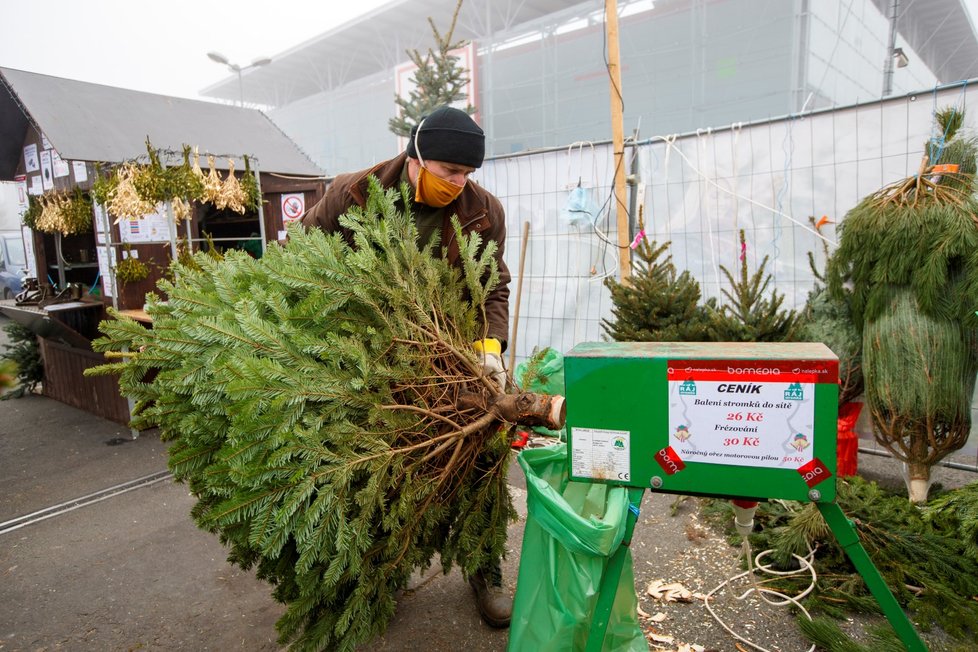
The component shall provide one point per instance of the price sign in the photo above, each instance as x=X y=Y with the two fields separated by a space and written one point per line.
x=751 y=420
x=748 y=413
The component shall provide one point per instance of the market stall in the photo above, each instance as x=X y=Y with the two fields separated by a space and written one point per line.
x=119 y=183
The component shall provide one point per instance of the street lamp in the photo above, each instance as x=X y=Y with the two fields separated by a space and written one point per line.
x=233 y=67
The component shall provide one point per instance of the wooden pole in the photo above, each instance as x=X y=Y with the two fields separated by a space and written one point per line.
x=519 y=295
x=618 y=139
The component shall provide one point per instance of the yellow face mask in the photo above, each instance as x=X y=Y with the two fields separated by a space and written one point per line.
x=431 y=189
x=435 y=191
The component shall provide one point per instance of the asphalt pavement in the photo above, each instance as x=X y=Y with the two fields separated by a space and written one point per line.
x=133 y=572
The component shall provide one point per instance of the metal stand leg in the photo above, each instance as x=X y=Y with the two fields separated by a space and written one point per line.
x=846 y=535
x=609 y=582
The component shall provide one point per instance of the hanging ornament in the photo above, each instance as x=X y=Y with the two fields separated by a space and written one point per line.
x=50 y=218
x=249 y=185
x=66 y=213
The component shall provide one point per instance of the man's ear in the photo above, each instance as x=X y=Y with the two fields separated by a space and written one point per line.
x=413 y=165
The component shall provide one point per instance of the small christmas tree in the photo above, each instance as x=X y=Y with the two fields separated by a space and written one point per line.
x=439 y=81
x=656 y=304
x=749 y=316
x=22 y=358
x=329 y=413
x=827 y=318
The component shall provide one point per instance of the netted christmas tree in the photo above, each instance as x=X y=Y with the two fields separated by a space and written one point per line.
x=329 y=414
x=657 y=304
x=907 y=265
x=439 y=80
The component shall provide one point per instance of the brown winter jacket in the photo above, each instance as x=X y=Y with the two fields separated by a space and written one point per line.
x=477 y=210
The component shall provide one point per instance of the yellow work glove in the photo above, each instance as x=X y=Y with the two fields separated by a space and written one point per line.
x=491 y=356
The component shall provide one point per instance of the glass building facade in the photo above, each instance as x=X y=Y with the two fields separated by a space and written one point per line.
x=686 y=65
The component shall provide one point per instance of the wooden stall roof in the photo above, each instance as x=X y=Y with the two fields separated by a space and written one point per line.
x=92 y=122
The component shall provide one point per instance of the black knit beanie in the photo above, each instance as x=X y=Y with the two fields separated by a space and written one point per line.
x=450 y=135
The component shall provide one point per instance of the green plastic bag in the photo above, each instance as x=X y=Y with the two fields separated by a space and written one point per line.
x=572 y=529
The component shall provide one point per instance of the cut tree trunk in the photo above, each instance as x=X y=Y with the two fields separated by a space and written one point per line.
x=918 y=482
x=524 y=408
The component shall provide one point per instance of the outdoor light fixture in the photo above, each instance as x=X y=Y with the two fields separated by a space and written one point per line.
x=217 y=57
x=900 y=58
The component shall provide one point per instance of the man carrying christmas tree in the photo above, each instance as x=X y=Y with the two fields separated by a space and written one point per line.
x=444 y=149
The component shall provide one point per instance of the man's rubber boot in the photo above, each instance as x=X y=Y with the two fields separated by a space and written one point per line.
x=494 y=603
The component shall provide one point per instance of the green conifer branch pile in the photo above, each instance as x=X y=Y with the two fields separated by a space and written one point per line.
x=926 y=556
x=316 y=400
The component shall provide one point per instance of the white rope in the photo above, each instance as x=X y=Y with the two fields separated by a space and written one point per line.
x=762 y=592
x=771 y=209
x=736 y=128
x=704 y=213
x=669 y=140
x=580 y=144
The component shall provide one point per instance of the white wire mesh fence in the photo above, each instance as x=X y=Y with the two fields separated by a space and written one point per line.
x=567 y=255
x=776 y=180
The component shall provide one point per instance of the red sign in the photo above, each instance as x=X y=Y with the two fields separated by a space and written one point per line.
x=779 y=371
x=669 y=460
x=293 y=206
x=814 y=472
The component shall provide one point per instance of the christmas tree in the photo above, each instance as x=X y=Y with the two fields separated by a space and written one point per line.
x=656 y=304
x=329 y=414
x=20 y=362
x=907 y=264
x=749 y=315
x=439 y=81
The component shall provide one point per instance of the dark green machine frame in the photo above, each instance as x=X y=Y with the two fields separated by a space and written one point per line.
x=623 y=386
